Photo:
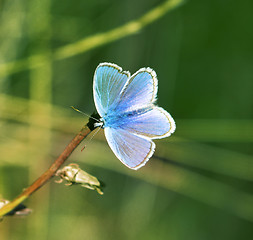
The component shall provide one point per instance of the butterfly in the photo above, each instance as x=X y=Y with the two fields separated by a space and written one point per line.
x=129 y=116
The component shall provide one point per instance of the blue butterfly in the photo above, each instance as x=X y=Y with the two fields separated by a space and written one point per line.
x=129 y=116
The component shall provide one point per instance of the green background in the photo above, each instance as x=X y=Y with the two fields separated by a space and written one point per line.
x=197 y=186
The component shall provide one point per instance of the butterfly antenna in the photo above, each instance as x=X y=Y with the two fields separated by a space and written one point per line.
x=85 y=114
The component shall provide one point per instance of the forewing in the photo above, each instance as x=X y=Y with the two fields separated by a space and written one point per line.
x=154 y=123
x=132 y=150
x=109 y=81
x=139 y=92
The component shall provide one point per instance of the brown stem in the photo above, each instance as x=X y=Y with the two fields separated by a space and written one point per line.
x=49 y=173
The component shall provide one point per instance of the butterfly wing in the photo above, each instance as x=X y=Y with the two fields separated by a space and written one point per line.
x=139 y=92
x=154 y=123
x=108 y=82
x=136 y=110
x=132 y=150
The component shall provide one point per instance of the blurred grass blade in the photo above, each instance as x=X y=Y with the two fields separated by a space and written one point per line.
x=91 y=42
x=201 y=188
x=210 y=158
x=190 y=153
x=128 y=29
x=17 y=109
x=174 y=178
x=182 y=181
x=216 y=130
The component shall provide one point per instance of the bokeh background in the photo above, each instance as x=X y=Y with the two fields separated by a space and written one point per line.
x=197 y=186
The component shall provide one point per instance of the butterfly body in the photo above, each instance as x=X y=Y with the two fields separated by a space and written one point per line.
x=119 y=120
x=129 y=116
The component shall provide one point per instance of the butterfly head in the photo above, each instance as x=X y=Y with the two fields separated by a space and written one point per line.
x=100 y=124
x=95 y=121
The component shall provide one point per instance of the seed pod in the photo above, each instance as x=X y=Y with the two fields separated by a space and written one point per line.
x=75 y=175
x=20 y=210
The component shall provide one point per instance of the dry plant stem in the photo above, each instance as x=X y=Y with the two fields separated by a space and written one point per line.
x=49 y=173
